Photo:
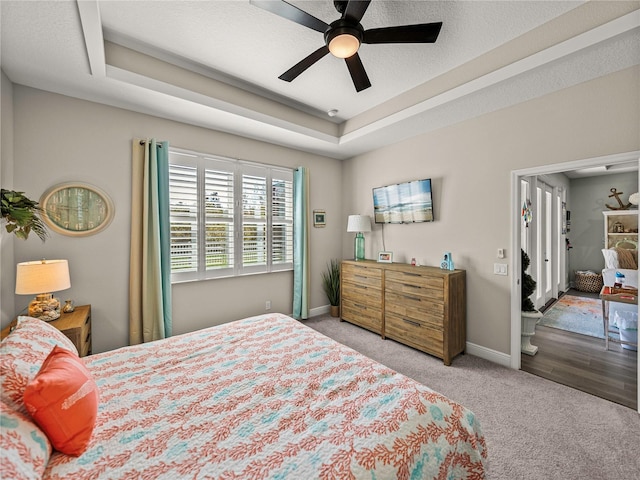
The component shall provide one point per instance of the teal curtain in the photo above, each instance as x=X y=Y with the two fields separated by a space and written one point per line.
x=150 y=261
x=301 y=243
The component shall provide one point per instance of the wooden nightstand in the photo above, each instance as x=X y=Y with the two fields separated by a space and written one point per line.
x=75 y=325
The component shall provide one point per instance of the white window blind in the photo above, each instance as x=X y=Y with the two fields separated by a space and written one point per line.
x=282 y=219
x=228 y=217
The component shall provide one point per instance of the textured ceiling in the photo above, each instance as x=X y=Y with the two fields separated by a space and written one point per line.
x=215 y=63
x=243 y=42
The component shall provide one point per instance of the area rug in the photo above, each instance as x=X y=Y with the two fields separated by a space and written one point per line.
x=576 y=314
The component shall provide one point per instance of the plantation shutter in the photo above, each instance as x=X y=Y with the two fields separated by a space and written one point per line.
x=183 y=208
x=219 y=236
x=282 y=219
x=254 y=219
x=228 y=217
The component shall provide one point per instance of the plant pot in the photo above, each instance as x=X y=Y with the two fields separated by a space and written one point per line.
x=529 y=320
x=334 y=311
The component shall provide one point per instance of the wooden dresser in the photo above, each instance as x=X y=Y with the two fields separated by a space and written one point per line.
x=423 y=307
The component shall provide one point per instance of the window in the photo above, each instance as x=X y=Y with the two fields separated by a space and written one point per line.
x=228 y=217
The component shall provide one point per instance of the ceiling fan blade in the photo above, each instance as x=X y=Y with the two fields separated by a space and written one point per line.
x=355 y=10
x=358 y=74
x=291 y=12
x=305 y=63
x=421 y=33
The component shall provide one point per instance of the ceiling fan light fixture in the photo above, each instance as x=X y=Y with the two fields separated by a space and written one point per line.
x=343 y=38
x=344 y=45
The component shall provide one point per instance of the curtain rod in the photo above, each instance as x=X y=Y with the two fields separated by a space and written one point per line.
x=142 y=142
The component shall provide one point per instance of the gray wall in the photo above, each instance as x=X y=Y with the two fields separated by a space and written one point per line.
x=59 y=139
x=470 y=164
x=7 y=279
x=588 y=198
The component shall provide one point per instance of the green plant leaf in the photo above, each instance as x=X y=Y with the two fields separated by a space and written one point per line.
x=21 y=215
x=331 y=282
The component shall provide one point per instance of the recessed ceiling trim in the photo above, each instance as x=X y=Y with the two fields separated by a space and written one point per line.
x=92 y=29
x=597 y=35
x=338 y=144
x=205 y=100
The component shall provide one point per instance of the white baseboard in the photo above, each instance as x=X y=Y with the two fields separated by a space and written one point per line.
x=471 y=348
x=489 y=354
x=314 y=312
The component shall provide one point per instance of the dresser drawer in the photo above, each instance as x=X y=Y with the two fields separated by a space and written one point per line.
x=358 y=275
x=415 y=334
x=415 y=284
x=364 y=294
x=416 y=308
x=367 y=316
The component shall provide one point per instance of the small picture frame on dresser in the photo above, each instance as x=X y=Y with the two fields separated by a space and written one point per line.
x=385 y=257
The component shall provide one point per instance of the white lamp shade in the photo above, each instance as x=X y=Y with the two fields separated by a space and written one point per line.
x=43 y=276
x=359 y=223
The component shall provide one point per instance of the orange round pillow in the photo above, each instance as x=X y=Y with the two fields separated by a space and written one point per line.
x=63 y=400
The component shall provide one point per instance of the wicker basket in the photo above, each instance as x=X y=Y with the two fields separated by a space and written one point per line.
x=588 y=282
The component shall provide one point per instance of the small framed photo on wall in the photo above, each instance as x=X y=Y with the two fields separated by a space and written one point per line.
x=385 y=257
x=319 y=218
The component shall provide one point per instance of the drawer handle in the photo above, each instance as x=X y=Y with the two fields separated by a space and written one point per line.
x=411 y=297
x=362 y=287
x=411 y=274
x=364 y=277
x=411 y=322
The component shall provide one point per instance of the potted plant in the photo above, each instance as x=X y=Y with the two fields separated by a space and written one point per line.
x=331 y=286
x=529 y=314
x=22 y=215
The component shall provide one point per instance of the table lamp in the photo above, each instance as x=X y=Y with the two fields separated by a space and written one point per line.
x=359 y=224
x=41 y=278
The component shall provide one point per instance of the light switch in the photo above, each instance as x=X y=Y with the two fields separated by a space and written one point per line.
x=500 y=268
x=501 y=253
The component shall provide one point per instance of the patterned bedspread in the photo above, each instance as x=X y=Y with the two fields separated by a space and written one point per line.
x=267 y=397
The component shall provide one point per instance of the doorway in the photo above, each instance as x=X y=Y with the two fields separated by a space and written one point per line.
x=548 y=235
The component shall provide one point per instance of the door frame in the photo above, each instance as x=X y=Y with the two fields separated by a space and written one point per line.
x=515 y=223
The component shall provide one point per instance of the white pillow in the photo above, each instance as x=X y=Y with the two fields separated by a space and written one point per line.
x=610 y=258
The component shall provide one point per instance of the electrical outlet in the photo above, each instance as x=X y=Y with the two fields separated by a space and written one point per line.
x=267 y=305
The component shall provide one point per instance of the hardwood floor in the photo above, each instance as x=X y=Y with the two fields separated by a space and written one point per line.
x=580 y=362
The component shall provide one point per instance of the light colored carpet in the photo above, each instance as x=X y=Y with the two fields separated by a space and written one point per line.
x=576 y=314
x=535 y=429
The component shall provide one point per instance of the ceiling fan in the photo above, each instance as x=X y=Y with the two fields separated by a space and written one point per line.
x=344 y=36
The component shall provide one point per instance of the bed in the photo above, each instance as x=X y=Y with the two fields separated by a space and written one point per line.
x=263 y=397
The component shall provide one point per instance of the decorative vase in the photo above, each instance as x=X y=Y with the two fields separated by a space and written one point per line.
x=334 y=311
x=68 y=306
x=529 y=320
x=359 y=246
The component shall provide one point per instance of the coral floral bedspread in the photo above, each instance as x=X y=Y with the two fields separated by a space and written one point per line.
x=267 y=397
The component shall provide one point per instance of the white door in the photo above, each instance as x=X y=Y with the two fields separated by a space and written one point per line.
x=545 y=239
